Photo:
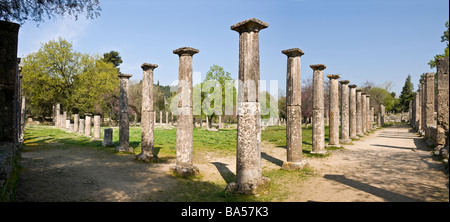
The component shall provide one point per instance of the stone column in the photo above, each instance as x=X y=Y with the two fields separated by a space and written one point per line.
x=160 y=118
x=372 y=110
x=220 y=122
x=87 y=124
x=429 y=101
x=22 y=119
x=81 y=127
x=9 y=143
x=294 y=160
x=76 y=120
x=318 y=130
x=147 y=154
x=96 y=133
x=368 y=121
x=124 y=124
x=364 y=112
x=184 y=165
x=64 y=118
x=57 y=114
x=359 y=131
x=422 y=107
x=334 y=111
x=167 y=118
x=442 y=100
x=67 y=124
x=382 y=113
x=249 y=179
x=345 y=111
x=352 y=112
x=108 y=137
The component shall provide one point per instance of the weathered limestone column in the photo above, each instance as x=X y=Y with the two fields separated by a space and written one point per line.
x=76 y=120
x=372 y=110
x=64 y=118
x=124 y=124
x=413 y=113
x=249 y=179
x=57 y=113
x=67 y=124
x=334 y=111
x=422 y=107
x=417 y=110
x=81 y=127
x=160 y=118
x=364 y=112
x=108 y=137
x=345 y=118
x=382 y=113
x=359 y=131
x=87 y=124
x=442 y=100
x=352 y=112
x=220 y=122
x=294 y=160
x=96 y=133
x=167 y=118
x=318 y=130
x=184 y=165
x=368 y=121
x=429 y=101
x=147 y=154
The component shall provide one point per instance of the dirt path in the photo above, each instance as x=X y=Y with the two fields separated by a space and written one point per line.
x=391 y=164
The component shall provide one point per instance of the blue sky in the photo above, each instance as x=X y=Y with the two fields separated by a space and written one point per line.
x=364 y=40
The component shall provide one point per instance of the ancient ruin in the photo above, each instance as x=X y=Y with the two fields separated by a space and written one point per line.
x=318 y=130
x=147 y=125
x=248 y=151
x=124 y=122
x=334 y=111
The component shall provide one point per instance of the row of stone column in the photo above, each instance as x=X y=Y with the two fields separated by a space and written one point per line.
x=429 y=119
x=79 y=125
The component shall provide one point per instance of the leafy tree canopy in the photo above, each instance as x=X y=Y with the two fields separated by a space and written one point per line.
x=38 y=10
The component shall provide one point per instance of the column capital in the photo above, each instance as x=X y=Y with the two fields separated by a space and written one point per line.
x=124 y=75
x=249 y=25
x=367 y=95
x=358 y=90
x=333 y=76
x=430 y=74
x=344 y=82
x=352 y=86
x=294 y=52
x=147 y=66
x=363 y=93
x=318 y=67
x=186 y=51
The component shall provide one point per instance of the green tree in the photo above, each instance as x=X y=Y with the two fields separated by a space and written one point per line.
x=113 y=57
x=57 y=73
x=407 y=94
x=380 y=95
x=216 y=74
x=444 y=38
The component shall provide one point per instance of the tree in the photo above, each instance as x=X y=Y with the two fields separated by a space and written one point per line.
x=113 y=57
x=407 y=94
x=37 y=10
x=216 y=74
x=444 y=38
x=380 y=95
x=57 y=73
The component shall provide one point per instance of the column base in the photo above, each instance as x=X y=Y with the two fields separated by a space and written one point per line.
x=124 y=149
x=354 y=137
x=185 y=171
x=346 y=141
x=323 y=152
x=250 y=188
x=146 y=157
x=333 y=145
x=294 y=165
x=105 y=144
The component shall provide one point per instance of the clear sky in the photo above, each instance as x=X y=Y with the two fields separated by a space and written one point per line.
x=362 y=40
